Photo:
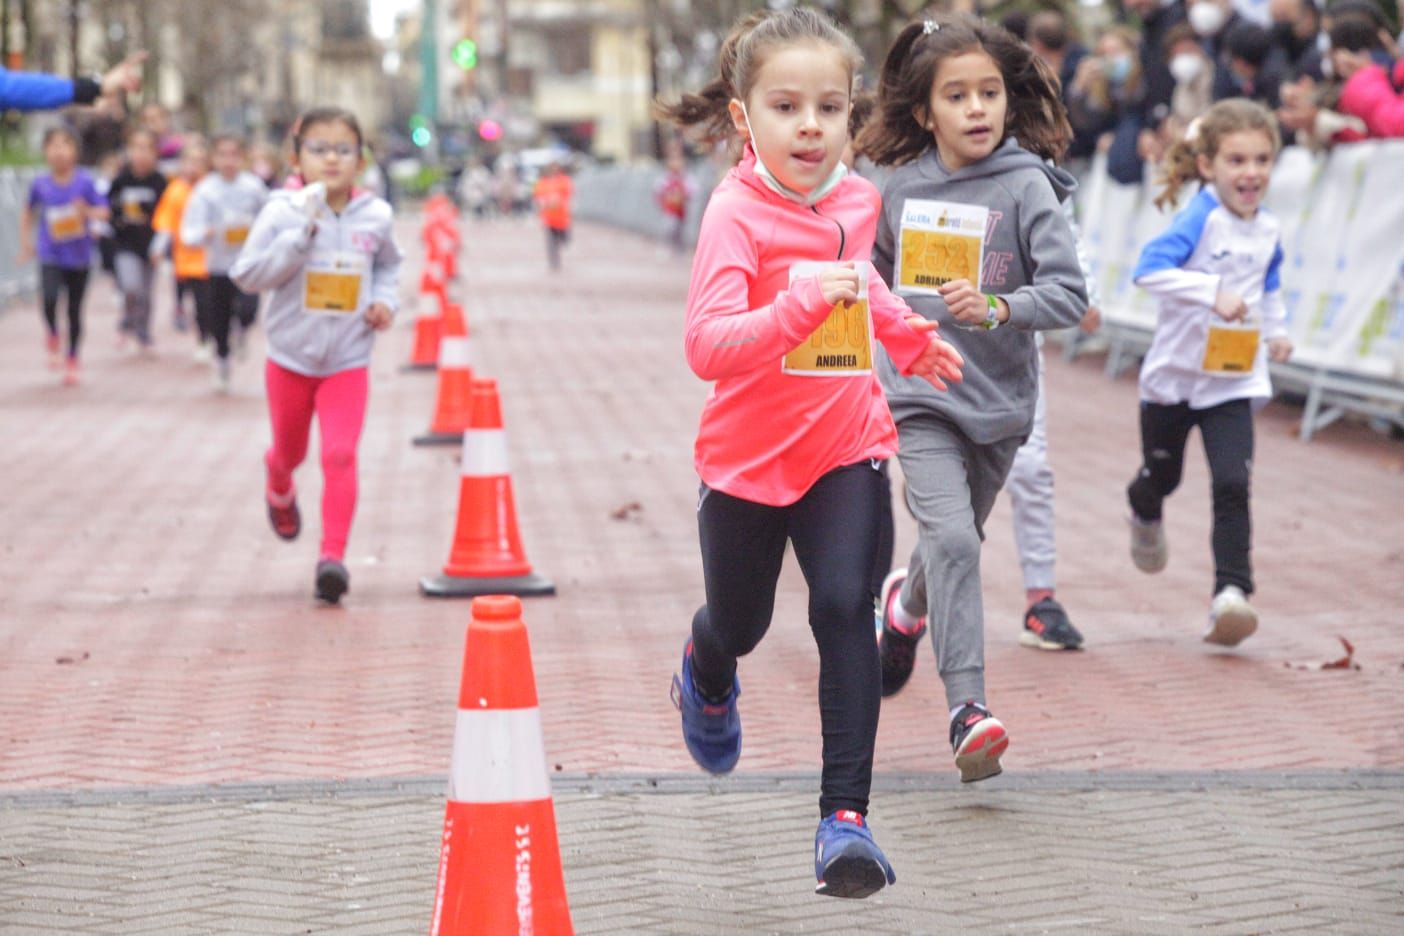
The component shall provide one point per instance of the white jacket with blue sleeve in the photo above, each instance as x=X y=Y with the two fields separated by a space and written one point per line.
x=1207 y=250
x=276 y=259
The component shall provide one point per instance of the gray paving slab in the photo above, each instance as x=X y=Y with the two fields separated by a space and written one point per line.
x=1090 y=856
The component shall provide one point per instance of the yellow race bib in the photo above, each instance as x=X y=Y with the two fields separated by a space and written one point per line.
x=235 y=236
x=1230 y=351
x=332 y=282
x=64 y=223
x=939 y=242
x=843 y=345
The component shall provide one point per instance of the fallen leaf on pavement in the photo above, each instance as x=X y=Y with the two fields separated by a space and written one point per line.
x=63 y=660
x=627 y=511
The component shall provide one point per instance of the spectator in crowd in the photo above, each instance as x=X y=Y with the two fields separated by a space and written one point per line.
x=1051 y=38
x=1193 y=72
x=1362 y=9
x=1157 y=18
x=1296 y=26
x=1370 y=90
x=1105 y=100
x=1212 y=21
x=1255 y=68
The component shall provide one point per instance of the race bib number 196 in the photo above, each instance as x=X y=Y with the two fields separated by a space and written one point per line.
x=939 y=242
x=843 y=345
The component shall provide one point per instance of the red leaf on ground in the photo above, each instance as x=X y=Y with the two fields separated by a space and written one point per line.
x=1346 y=661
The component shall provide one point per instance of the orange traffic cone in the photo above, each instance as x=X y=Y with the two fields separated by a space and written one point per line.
x=455 y=322
x=500 y=861
x=425 y=354
x=453 y=405
x=487 y=557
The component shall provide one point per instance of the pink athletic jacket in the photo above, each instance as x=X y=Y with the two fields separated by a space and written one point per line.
x=1369 y=95
x=767 y=436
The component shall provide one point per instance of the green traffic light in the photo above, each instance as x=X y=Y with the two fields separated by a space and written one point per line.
x=465 y=54
x=421 y=136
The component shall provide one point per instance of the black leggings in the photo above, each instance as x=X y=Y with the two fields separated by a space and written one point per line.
x=834 y=529
x=1227 y=431
x=198 y=288
x=226 y=304
x=74 y=282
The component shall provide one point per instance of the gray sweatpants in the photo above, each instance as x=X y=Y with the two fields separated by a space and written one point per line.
x=1031 y=495
x=134 y=277
x=951 y=487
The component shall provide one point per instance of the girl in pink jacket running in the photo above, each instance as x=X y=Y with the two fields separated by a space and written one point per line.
x=781 y=314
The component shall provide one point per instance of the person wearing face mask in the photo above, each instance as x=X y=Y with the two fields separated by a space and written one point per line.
x=1105 y=100
x=1295 y=27
x=1194 y=78
x=1212 y=21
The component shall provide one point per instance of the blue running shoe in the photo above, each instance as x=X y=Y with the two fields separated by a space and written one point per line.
x=847 y=861
x=711 y=730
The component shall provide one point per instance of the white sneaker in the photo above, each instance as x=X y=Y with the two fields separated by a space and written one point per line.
x=204 y=353
x=223 y=380
x=1231 y=618
x=1149 y=550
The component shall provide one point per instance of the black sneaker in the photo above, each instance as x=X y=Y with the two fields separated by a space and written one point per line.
x=1046 y=627
x=896 y=649
x=286 y=520
x=978 y=740
x=333 y=581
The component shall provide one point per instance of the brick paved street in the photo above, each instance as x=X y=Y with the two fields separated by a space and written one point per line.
x=154 y=635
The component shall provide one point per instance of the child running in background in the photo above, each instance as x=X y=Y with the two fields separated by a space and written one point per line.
x=61 y=203
x=221 y=210
x=1216 y=276
x=191 y=274
x=969 y=116
x=327 y=254
x=552 y=194
x=794 y=428
x=133 y=197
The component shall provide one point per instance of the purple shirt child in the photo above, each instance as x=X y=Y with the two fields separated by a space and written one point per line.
x=63 y=234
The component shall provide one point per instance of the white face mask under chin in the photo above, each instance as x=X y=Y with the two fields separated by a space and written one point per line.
x=813 y=196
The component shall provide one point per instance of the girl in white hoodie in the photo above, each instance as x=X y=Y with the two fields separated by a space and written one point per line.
x=327 y=256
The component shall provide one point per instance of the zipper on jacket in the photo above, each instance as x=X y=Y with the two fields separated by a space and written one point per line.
x=843 y=235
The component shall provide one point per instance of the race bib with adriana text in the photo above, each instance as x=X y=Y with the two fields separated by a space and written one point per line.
x=939 y=242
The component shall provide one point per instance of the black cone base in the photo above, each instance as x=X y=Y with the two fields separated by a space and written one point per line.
x=451 y=586
x=439 y=438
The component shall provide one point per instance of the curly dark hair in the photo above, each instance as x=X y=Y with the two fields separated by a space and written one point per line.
x=1035 y=114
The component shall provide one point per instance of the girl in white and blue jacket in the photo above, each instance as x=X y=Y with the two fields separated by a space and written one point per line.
x=327 y=256
x=1216 y=275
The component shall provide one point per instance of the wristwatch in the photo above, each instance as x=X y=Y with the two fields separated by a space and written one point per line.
x=991 y=321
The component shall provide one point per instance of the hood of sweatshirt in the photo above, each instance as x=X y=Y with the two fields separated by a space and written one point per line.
x=1006 y=158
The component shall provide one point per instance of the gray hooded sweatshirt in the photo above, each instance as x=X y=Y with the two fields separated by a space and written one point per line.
x=1030 y=262
x=320 y=328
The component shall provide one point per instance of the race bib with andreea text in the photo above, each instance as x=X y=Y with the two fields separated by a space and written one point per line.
x=842 y=346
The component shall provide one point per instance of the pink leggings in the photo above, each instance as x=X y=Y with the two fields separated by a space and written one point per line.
x=340 y=404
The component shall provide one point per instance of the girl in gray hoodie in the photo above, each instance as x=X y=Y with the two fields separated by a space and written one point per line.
x=973 y=237
x=327 y=256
